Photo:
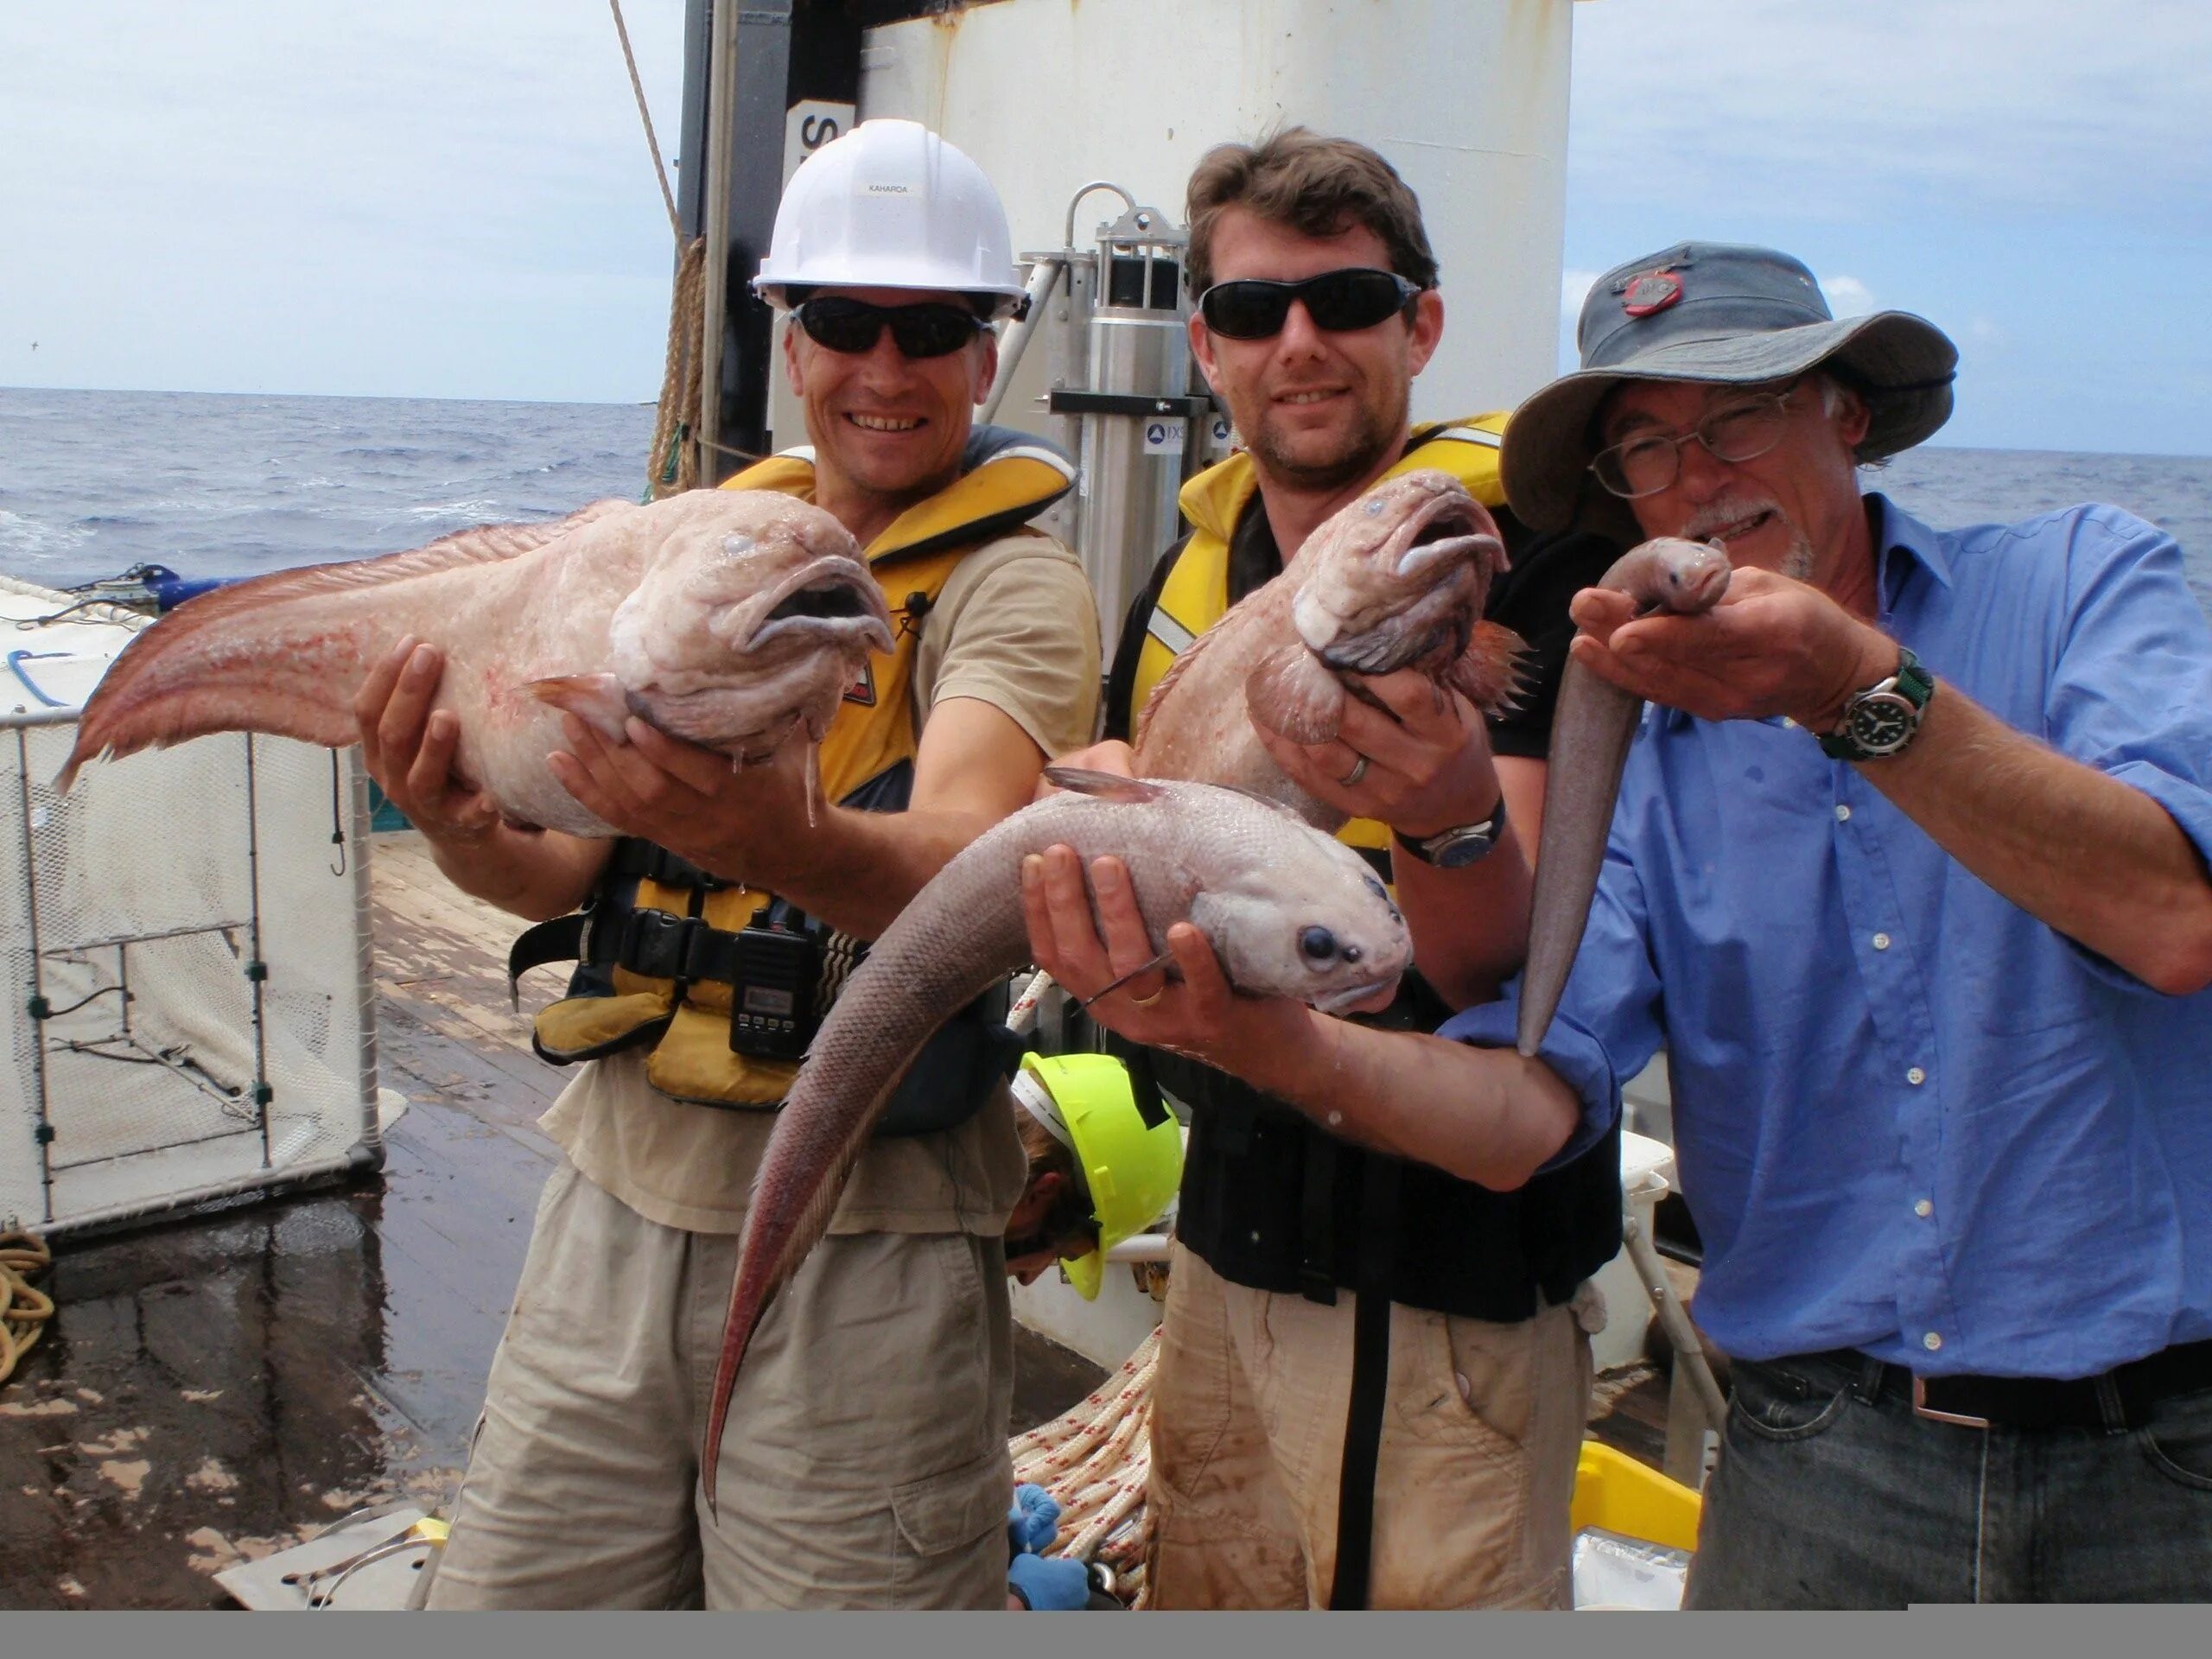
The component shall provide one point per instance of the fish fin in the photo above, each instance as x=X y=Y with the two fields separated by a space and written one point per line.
x=160 y=690
x=596 y=699
x=1488 y=673
x=1292 y=694
x=1106 y=785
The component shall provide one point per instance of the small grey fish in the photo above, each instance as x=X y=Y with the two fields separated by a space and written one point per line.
x=1289 y=911
x=1593 y=725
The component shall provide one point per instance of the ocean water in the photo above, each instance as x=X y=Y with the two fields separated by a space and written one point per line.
x=94 y=482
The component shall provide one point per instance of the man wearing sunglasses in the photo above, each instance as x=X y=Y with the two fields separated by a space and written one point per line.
x=1448 y=1485
x=1908 y=877
x=866 y=1463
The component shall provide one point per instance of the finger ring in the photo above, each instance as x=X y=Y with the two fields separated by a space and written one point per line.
x=1350 y=779
x=1146 y=1001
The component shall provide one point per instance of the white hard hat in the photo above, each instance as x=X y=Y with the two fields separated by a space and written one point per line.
x=891 y=205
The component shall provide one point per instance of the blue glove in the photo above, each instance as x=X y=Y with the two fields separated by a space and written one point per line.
x=1053 y=1585
x=1033 y=1522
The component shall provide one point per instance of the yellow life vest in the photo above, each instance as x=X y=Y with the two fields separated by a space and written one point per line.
x=1196 y=592
x=865 y=761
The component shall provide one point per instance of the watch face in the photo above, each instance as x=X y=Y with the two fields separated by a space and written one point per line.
x=1461 y=847
x=1883 y=721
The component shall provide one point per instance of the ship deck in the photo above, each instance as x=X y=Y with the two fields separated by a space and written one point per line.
x=222 y=1385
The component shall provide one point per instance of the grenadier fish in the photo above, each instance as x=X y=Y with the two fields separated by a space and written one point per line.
x=1593 y=725
x=1396 y=579
x=733 y=618
x=1289 y=911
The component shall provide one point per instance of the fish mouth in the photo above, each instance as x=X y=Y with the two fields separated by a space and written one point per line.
x=830 y=595
x=1440 y=532
x=1351 y=996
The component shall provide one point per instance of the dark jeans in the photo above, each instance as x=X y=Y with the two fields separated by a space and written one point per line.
x=1824 y=1499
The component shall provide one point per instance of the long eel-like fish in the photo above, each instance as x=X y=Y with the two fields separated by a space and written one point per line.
x=1593 y=725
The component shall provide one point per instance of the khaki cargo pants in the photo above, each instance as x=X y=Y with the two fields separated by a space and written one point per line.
x=1481 y=1432
x=865 y=1463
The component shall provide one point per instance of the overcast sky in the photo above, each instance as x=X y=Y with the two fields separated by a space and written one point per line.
x=431 y=199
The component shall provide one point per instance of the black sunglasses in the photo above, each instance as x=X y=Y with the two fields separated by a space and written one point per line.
x=1338 y=300
x=843 y=324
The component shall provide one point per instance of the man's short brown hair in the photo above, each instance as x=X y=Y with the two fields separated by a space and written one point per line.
x=1319 y=186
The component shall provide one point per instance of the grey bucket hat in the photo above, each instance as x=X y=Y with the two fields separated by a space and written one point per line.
x=1711 y=313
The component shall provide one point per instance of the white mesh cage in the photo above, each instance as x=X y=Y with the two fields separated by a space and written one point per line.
x=190 y=1002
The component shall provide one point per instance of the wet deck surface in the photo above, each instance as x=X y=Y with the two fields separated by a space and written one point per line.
x=224 y=1387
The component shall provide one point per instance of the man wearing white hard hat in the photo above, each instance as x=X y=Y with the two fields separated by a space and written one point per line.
x=866 y=1461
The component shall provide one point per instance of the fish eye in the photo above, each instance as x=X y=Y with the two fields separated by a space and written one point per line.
x=1317 y=945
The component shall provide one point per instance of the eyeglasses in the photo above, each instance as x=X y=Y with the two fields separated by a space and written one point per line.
x=1338 y=300
x=855 y=325
x=1648 y=462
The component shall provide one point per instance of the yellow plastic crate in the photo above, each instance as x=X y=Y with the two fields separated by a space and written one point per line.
x=1616 y=1492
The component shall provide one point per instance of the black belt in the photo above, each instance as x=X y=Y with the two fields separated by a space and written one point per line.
x=2122 y=1397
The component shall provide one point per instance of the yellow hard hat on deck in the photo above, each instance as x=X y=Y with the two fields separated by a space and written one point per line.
x=1131 y=1155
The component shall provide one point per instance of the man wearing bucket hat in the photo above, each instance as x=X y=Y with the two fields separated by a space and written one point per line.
x=1908 y=875
x=867 y=1462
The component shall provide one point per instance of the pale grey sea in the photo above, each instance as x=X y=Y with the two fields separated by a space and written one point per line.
x=94 y=482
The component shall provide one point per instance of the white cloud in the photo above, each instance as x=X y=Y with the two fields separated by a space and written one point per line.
x=1847 y=297
x=1765 y=106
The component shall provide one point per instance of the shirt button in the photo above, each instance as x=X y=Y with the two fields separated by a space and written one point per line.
x=1923 y=1209
x=1843 y=815
x=1881 y=941
x=1915 y=1075
x=1932 y=1341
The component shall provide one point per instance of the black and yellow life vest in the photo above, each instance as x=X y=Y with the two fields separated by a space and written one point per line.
x=1196 y=592
x=658 y=943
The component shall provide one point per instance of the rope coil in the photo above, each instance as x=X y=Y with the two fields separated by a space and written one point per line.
x=23 y=1310
x=1095 y=1459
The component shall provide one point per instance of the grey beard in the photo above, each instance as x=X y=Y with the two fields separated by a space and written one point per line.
x=1797 y=563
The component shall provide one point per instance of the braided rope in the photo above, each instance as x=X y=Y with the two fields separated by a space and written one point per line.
x=672 y=464
x=1095 y=1458
x=23 y=1310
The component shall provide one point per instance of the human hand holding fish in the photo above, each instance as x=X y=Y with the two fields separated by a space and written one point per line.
x=1106 y=961
x=409 y=748
x=1770 y=646
x=742 y=823
x=1428 y=763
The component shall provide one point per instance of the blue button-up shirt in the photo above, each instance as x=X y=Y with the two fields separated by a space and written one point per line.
x=1910 y=1118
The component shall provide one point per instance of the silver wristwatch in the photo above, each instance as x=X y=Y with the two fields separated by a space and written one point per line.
x=1459 y=846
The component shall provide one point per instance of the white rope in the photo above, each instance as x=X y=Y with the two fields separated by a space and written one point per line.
x=1095 y=1458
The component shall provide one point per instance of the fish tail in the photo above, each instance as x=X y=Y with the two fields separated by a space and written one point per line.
x=772 y=1249
x=282 y=653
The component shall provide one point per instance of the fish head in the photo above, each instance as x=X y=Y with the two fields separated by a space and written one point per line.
x=752 y=619
x=1308 y=919
x=1682 y=576
x=1398 y=578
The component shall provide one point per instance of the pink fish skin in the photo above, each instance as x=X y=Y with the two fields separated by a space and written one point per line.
x=1396 y=579
x=1593 y=725
x=733 y=618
